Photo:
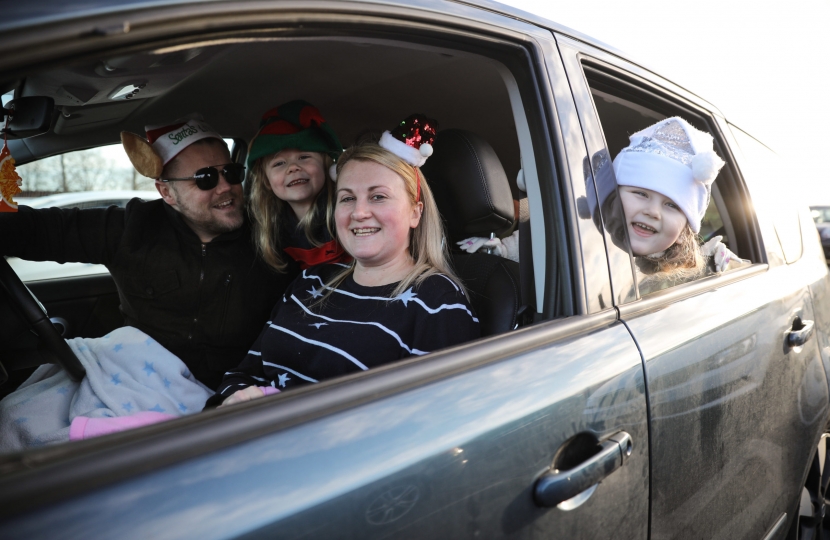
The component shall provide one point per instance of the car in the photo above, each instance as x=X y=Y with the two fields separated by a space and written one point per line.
x=821 y=216
x=589 y=410
x=41 y=270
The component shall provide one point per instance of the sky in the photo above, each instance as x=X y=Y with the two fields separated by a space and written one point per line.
x=765 y=65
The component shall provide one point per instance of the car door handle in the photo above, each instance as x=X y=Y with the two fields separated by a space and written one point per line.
x=556 y=486
x=801 y=333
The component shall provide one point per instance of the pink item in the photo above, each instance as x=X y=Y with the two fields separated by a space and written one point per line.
x=268 y=390
x=83 y=427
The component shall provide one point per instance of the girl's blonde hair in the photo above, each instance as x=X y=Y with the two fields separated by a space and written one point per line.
x=682 y=259
x=268 y=213
x=426 y=241
x=680 y=262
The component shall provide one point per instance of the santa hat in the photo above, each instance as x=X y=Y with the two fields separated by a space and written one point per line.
x=296 y=124
x=412 y=139
x=164 y=142
x=675 y=159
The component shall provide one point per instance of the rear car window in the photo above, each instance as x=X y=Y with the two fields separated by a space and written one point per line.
x=766 y=174
x=624 y=109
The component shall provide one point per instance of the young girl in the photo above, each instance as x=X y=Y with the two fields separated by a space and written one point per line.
x=289 y=160
x=398 y=298
x=664 y=179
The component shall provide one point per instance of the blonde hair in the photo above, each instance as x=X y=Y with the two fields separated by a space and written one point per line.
x=682 y=261
x=268 y=213
x=426 y=241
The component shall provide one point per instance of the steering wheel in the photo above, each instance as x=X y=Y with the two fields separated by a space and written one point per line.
x=32 y=311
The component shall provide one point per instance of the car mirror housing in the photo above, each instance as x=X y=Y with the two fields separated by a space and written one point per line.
x=30 y=116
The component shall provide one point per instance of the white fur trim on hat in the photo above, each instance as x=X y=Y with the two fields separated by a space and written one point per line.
x=333 y=172
x=666 y=176
x=169 y=144
x=407 y=153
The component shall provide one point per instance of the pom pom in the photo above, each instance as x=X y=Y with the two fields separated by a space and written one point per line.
x=333 y=172
x=426 y=150
x=705 y=166
x=520 y=181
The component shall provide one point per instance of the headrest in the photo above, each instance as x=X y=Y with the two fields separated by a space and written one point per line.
x=469 y=185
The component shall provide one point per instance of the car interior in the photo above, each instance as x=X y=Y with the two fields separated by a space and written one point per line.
x=361 y=85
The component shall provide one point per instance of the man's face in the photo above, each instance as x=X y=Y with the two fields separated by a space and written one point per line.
x=209 y=213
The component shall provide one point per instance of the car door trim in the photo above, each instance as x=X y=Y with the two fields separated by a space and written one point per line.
x=661 y=299
x=47 y=475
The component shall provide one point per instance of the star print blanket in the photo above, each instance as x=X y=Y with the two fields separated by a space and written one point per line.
x=127 y=372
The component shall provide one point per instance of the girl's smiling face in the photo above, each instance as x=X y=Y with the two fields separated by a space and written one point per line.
x=654 y=222
x=374 y=215
x=296 y=177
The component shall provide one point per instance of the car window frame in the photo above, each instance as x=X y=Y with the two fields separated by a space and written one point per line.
x=677 y=98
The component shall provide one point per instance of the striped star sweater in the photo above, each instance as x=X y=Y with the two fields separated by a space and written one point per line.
x=357 y=328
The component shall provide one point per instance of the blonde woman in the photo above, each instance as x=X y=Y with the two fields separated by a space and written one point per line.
x=398 y=298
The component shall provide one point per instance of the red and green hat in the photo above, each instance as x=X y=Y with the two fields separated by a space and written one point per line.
x=296 y=124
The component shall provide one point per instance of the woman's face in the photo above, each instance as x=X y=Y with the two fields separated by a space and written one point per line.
x=654 y=222
x=296 y=176
x=373 y=214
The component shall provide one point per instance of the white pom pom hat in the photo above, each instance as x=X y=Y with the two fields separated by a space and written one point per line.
x=675 y=159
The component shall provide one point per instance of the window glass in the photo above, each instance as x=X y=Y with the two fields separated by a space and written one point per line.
x=765 y=174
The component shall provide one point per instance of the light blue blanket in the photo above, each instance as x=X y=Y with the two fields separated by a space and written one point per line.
x=126 y=372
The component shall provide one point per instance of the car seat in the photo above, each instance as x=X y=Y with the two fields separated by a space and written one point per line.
x=474 y=199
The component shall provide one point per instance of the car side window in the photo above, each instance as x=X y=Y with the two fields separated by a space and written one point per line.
x=94 y=169
x=766 y=175
x=623 y=110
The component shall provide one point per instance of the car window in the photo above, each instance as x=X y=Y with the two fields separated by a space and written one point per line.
x=768 y=174
x=622 y=110
x=477 y=100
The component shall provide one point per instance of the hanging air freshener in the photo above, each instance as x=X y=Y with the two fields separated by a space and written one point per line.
x=10 y=181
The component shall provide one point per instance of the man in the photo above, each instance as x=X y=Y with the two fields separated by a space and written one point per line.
x=185 y=265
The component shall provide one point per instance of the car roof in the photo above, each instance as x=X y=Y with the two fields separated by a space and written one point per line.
x=100 y=120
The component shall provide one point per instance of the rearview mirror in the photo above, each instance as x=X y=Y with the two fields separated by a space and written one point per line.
x=30 y=116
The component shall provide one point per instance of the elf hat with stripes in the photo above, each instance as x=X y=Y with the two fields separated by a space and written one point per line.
x=298 y=125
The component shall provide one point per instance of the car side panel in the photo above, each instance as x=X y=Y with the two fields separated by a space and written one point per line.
x=452 y=459
x=735 y=413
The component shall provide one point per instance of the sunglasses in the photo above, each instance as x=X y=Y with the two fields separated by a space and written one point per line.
x=208 y=177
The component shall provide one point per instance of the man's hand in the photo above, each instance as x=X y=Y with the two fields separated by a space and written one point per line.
x=246 y=394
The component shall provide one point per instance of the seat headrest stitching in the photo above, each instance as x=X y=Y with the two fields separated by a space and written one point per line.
x=481 y=172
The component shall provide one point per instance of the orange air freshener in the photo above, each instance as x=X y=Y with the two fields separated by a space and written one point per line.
x=9 y=181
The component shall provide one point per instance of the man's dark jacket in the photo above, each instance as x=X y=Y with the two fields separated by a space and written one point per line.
x=205 y=303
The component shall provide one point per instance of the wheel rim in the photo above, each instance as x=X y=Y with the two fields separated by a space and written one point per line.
x=813 y=521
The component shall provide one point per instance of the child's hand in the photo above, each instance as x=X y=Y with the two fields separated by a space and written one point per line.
x=507 y=248
x=246 y=394
x=720 y=253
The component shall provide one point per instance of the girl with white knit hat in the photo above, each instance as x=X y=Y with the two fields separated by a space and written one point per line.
x=664 y=179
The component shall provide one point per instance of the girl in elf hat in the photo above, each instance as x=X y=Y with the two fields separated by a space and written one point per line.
x=398 y=298
x=289 y=160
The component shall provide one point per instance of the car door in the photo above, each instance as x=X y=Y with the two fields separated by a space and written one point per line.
x=735 y=408
x=451 y=445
